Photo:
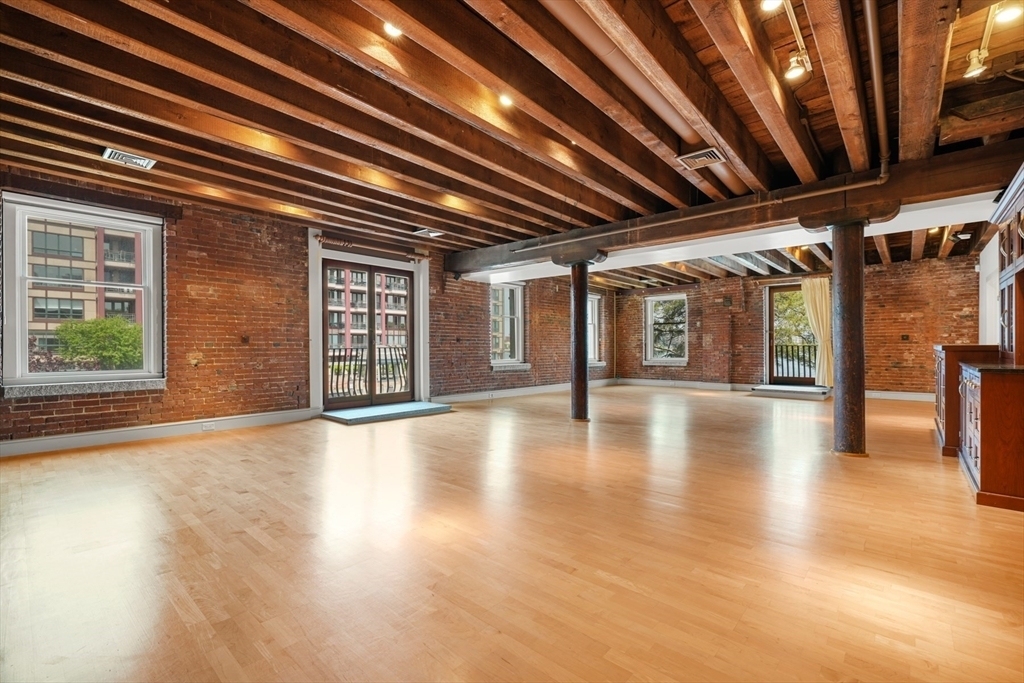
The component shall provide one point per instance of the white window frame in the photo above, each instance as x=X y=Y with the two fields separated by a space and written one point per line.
x=594 y=329
x=649 y=331
x=17 y=380
x=519 y=360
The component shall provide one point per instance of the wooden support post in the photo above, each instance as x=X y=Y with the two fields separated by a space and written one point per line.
x=848 y=339
x=578 y=324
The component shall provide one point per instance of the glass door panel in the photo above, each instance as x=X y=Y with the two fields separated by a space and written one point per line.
x=793 y=350
x=391 y=343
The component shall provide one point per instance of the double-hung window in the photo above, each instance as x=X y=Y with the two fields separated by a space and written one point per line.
x=666 y=336
x=83 y=298
x=506 y=324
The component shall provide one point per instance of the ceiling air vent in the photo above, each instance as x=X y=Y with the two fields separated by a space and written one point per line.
x=701 y=158
x=128 y=159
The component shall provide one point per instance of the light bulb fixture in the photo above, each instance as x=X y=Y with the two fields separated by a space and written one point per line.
x=392 y=30
x=505 y=100
x=976 y=63
x=799 y=64
x=770 y=5
x=1007 y=12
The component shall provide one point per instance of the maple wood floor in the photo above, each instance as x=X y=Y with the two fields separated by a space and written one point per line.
x=680 y=535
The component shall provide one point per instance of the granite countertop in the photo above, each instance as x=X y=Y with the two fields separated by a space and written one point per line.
x=994 y=367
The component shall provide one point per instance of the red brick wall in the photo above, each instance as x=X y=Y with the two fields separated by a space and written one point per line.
x=930 y=301
x=460 y=327
x=228 y=275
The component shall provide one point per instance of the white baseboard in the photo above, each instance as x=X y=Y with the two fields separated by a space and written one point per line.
x=683 y=384
x=521 y=391
x=61 y=442
x=901 y=396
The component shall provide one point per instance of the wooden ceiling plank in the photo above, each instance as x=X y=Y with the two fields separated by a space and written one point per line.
x=670 y=275
x=917 y=242
x=470 y=43
x=728 y=263
x=969 y=7
x=882 y=245
x=832 y=26
x=533 y=28
x=332 y=131
x=925 y=32
x=49 y=110
x=772 y=259
x=946 y=242
x=37 y=71
x=707 y=266
x=644 y=32
x=749 y=54
x=395 y=222
x=688 y=270
x=799 y=257
x=823 y=253
x=246 y=33
x=953 y=129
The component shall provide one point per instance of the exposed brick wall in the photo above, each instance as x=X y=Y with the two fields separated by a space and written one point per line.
x=460 y=328
x=228 y=275
x=931 y=302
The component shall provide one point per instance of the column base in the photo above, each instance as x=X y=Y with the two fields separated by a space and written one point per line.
x=849 y=455
x=579 y=419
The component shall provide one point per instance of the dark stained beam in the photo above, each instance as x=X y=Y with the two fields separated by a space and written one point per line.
x=947 y=244
x=981 y=234
x=969 y=171
x=646 y=34
x=535 y=30
x=245 y=33
x=832 y=26
x=882 y=245
x=917 y=242
x=751 y=59
x=994 y=116
x=800 y=257
x=468 y=42
x=823 y=253
x=925 y=33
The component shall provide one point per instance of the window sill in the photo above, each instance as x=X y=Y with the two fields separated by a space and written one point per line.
x=597 y=363
x=76 y=388
x=510 y=367
x=677 y=362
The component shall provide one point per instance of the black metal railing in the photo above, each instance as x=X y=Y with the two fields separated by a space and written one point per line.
x=119 y=256
x=795 y=360
x=348 y=371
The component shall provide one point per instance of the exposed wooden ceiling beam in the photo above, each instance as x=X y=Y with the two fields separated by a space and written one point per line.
x=533 y=28
x=470 y=43
x=956 y=174
x=246 y=33
x=982 y=234
x=994 y=116
x=707 y=266
x=823 y=253
x=728 y=264
x=314 y=123
x=773 y=259
x=948 y=242
x=751 y=262
x=673 y=274
x=882 y=244
x=643 y=32
x=748 y=52
x=925 y=32
x=51 y=111
x=917 y=242
x=688 y=270
x=832 y=26
x=800 y=257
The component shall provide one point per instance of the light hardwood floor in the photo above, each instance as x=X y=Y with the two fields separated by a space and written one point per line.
x=680 y=535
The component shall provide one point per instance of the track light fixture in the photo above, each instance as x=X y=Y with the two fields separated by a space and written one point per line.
x=799 y=64
x=392 y=30
x=770 y=5
x=799 y=59
x=976 y=63
x=1008 y=11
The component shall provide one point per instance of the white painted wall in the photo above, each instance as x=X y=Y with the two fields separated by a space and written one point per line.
x=988 y=294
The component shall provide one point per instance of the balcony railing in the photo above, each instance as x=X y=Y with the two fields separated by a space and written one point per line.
x=394 y=306
x=348 y=371
x=130 y=317
x=119 y=256
x=795 y=361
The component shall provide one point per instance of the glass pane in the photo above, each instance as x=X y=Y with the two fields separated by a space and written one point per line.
x=83 y=328
x=81 y=253
x=672 y=311
x=393 y=348
x=669 y=340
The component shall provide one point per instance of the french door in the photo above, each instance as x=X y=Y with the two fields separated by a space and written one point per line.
x=792 y=349
x=367 y=335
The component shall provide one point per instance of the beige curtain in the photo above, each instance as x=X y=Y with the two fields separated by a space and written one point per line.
x=817 y=293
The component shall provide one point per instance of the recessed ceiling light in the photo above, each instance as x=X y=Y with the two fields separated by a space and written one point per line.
x=1008 y=13
x=505 y=100
x=797 y=67
x=427 y=232
x=770 y=5
x=392 y=30
x=976 y=63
